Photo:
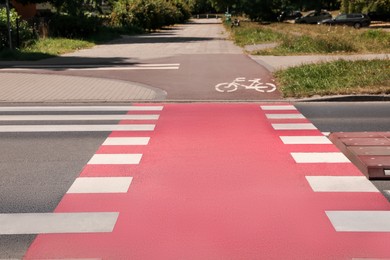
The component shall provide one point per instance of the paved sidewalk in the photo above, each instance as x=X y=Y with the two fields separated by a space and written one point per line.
x=21 y=87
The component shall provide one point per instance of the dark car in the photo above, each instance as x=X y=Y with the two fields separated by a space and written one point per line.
x=376 y=16
x=289 y=15
x=314 y=17
x=357 y=20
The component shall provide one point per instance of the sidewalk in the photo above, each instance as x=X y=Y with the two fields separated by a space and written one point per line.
x=32 y=88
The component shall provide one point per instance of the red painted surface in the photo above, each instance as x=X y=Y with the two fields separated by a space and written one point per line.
x=216 y=182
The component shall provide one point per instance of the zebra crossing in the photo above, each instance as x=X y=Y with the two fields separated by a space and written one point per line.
x=128 y=124
x=76 y=127
x=187 y=189
x=342 y=221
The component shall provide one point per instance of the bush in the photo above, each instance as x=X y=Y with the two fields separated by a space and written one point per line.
x=74 y=26
x=26 y=34
x=148 y=14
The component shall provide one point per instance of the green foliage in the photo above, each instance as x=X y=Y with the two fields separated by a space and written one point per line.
x=380 y=6
x=248 y=35
x=320 y=44
x=149 y=14
x=311 y=39
x=74 y=26
x=26 y=34
x=333 y=78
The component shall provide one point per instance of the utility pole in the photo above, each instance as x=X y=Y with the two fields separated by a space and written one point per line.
x=9 y=25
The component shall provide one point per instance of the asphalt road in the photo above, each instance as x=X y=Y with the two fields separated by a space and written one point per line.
x=350 y=117
x=36 y=170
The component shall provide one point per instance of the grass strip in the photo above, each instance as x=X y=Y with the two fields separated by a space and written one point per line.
x=45 y=48
x=298 y=39
x=335 y=78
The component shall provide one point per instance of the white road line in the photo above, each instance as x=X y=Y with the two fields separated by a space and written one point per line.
x=303 y=126
x=115 y=159
x=79 y=108
x=305 y=140
x=126 y=141
x=326 y=133
x=285 y=116
x=75 y=117
x=282 y=107
x=360 y=221
x=95 y=67
x=320 y=157
x=341 y=184
x=159 y=65
x=101 y=185
x=74 y=128
x=122 y=68
x=48 y=223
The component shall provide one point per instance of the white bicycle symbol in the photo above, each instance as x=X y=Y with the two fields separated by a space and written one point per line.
x=256 y=85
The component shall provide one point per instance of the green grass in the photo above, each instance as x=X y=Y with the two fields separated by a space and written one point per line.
x=45 y=48
x=299 y=39
x=336 y=78
x=57 y=46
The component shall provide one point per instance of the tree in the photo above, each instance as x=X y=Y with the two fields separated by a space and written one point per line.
x=71 y=7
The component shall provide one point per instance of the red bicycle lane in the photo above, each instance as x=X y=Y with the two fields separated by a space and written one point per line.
x=217 y=182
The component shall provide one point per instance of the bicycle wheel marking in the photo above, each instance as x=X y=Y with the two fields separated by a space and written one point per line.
x=241 y=82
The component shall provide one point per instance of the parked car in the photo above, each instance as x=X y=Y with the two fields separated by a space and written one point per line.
x=289 y=15
x=314 y=17
x=376 y=16
x=356 y=20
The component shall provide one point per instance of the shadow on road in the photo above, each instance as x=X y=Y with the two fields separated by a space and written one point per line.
x=61 y=63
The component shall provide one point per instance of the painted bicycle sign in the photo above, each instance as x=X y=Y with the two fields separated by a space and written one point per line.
x=256 y=84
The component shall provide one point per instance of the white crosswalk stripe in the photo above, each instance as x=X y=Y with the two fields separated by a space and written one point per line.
x=291 y=126
x=75 y=117
x=47 y=223
x=115 y=159
x=78 y=108
x=305 y=140
x=101 y=185
x=341 y=184
x=360 y=221
x=284 y=116
x=75 y=128
x=278 y=107
x=127 y=141
x=93 y=67
x=20 y=115
x=324 y=157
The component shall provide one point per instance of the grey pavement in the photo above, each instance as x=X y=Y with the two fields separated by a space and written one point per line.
x=202 y=36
